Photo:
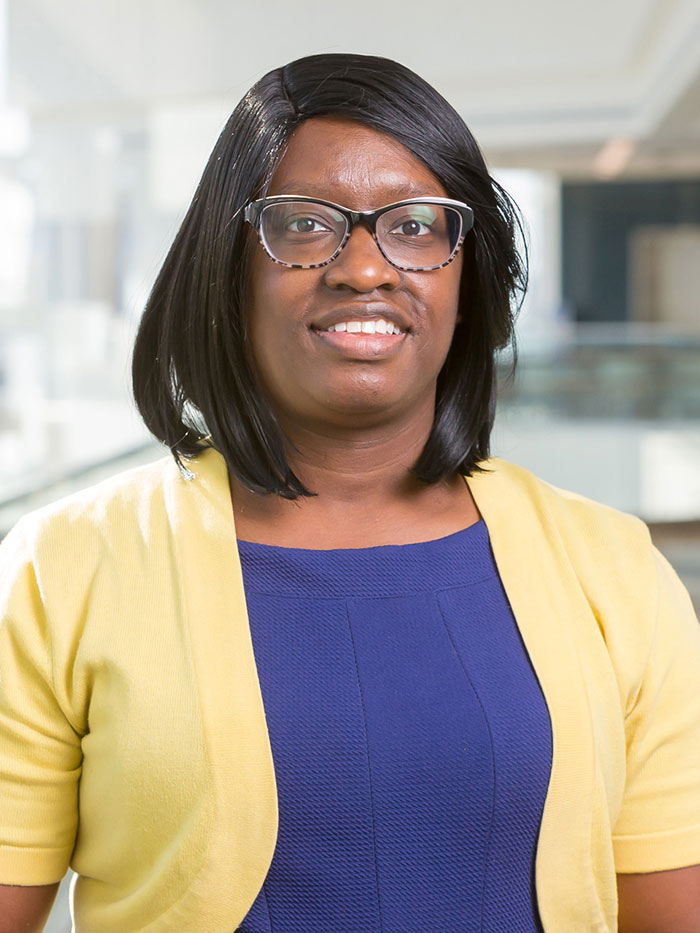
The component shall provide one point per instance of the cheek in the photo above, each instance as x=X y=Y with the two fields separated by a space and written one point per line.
x=275 y=329
x=269 y=295
x=269 y=342
x=441 y=302
x=455 y=282
x=278 y=294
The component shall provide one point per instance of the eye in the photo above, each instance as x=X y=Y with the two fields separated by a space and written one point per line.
x=411 y=227
x=416 y=220
x=306 y=224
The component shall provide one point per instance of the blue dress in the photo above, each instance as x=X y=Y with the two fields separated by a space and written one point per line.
x=410 y=737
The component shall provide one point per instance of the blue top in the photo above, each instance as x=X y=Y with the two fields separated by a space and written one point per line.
x=411 y=741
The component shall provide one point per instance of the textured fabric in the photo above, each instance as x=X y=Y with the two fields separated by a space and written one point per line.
x=130 y=704
x=411 y=741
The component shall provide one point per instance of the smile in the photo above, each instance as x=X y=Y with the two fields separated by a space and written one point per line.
x=362 y=340
x=364 y=327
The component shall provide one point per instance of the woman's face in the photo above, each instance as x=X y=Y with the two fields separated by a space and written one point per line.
x=317 y=378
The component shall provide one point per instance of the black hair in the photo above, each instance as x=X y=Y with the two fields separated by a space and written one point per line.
x=193 y=380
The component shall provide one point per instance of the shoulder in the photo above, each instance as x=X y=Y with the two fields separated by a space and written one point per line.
x=85 y=567
x=599 y=561
x=603 y=552
x=578 y=521
x=127 y=523
x=69 y=531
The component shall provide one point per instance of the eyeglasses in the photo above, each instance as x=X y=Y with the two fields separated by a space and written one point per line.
x=415 y=235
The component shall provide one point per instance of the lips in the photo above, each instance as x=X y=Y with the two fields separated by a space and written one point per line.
x=360 y=346
x=365 y=327
x=361 y=313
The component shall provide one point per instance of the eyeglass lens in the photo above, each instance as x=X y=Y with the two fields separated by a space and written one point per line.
x=412 y=236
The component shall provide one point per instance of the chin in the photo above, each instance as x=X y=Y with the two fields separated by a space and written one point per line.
x=371 y=406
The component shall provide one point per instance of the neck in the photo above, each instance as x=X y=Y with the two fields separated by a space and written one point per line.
x=367 y=465
x=365 y=492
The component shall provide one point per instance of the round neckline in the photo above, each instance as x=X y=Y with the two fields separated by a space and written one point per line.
x=356 y=550
x=462 y=558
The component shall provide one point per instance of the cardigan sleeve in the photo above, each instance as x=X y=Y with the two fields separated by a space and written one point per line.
x=658 y=827
x=40 y=754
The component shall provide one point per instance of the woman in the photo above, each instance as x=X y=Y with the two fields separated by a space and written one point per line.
x=341 y=670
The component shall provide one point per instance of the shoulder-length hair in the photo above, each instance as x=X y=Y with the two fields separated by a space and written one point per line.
x=193 y=379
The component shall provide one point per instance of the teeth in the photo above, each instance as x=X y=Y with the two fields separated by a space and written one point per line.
x=364 y=327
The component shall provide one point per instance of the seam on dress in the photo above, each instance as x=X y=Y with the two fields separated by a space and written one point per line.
x=493 y=761
x=267 y=904
x=262 y=894
x=401 y=595
x=369 y=766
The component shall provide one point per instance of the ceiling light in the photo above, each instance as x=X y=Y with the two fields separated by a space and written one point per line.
x=614 y=156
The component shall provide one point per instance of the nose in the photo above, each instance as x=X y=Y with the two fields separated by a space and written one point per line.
x=361 y=265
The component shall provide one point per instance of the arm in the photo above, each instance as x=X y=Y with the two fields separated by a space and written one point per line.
x=25 y=909
x=656 y=839
x=40 y=751
x=660 y=901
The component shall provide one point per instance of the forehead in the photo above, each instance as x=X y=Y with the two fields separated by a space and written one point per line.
x=351 y=164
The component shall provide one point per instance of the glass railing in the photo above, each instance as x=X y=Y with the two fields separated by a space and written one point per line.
x=607 y=372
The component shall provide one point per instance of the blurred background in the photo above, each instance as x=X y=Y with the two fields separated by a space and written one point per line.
x=589 y=114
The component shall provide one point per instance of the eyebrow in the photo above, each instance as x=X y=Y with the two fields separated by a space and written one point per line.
x=394 y=192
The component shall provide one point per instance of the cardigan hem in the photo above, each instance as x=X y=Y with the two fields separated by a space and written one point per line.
x=663 y=851
x=25 y=867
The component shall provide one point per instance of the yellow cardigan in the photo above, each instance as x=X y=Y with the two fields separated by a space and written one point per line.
x=133 y=744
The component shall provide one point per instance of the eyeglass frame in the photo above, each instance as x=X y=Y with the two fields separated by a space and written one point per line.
x=253 y=212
